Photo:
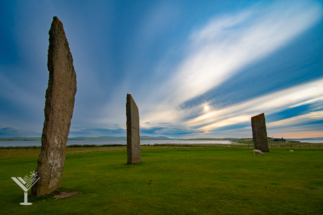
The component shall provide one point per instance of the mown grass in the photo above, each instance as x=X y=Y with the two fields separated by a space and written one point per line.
x=172 y=180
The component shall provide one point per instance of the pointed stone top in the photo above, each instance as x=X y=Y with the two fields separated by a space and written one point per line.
x=129 y=98
x=56 y=31
x=262 y=114
x=57 y=23
x=56 y=37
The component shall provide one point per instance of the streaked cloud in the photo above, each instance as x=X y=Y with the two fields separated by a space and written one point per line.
x=191 y=74
x=222 y=48
x=294 y=121
x=272 y=103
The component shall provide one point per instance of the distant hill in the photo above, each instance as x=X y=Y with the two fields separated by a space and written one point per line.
x=98 y=138
x=313 y=138
x=84 y=138
x=154 y=138
x=226 y=138
x=117 y=138
x=21 y=139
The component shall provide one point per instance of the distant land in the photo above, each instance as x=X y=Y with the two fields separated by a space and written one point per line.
x=141 y=137
x=313 y=138
x=115 y=138
x=118 y=138
x=84 y=138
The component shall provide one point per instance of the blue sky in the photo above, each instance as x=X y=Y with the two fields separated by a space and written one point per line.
x=196 y=69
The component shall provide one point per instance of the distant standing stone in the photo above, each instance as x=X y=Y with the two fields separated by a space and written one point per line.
x=59 y=105
x=133 y=138
x=259 y=132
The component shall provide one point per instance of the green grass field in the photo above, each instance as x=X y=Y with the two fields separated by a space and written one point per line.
x=177 y=180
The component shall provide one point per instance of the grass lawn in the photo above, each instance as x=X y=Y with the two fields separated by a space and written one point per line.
x=177 y=180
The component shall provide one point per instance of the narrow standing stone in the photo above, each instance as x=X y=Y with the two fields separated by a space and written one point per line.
x=133 y=138
x=259 y=132
x=59 y=105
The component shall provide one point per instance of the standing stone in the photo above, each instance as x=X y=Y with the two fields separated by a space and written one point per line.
x=133 y=138
x=259 y=132
x=59 y=105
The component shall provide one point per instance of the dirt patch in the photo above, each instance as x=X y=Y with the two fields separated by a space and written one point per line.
x=65 y=195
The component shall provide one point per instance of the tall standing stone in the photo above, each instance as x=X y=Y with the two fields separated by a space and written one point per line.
x=133 y=138
x=59 y=105
x=259 y=132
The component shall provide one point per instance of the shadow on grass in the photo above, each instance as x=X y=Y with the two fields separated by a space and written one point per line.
x=53 y=195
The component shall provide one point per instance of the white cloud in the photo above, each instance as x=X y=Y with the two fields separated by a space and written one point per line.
x=309 y=117
x=216 y=52
x=306 y=93
x=236 y=43
x=224 y=46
